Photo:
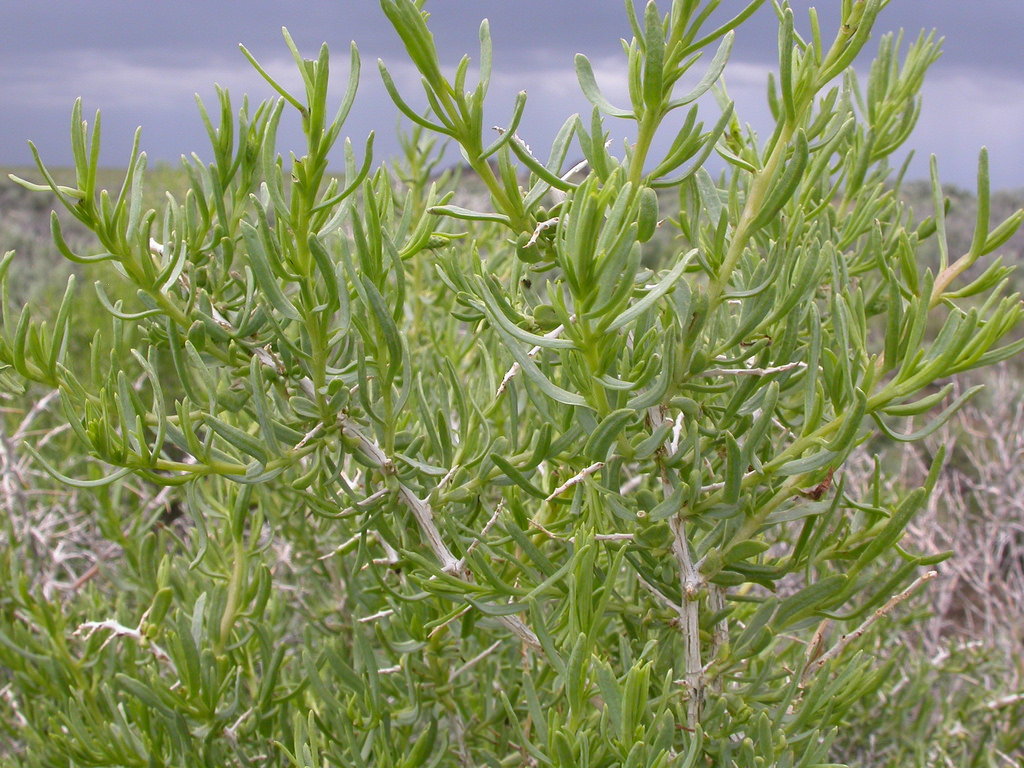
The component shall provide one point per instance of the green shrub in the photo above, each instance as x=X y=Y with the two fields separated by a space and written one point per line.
x=499 y=485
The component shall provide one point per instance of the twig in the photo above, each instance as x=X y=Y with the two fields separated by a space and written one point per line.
x=691 y=582
x=368 y=501
x=474 y=661
x=309 y=436
x=89 y=628
x=844 y=640
x=33 y=412
x=11 y=483
x=631 y=485
x=712 y=487
x=448 y=476
x=424 y=515
x=689 y=620
x=720 y=632
x=90 y=573
x=657 y=418
x=231 y=732
x=596 y=536
x=375 y=616
x=576 y=479
x=514 y=370
x=661 y=596
x=487 y=529
x=420 y=508
x=541 y=226
x=1005 y=701
x=751 y=371
x=557 y=194
x=12 y=702
x=610 y=537
x=439 y=627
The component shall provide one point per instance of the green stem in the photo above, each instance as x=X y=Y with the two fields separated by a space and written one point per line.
x=483 y=170
x=234 y=598
x=755 y=199
x=648 y=126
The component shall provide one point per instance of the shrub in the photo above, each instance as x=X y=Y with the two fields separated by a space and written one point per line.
x=500 y=486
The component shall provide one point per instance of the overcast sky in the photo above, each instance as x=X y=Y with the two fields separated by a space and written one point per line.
x=140 y=63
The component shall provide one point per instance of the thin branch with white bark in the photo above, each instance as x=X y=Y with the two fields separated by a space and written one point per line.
x=844 y=640
x=424 y=515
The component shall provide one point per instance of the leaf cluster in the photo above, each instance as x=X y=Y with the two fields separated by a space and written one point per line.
x=419 y=444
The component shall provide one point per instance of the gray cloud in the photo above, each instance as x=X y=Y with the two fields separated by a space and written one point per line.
x=140 y=63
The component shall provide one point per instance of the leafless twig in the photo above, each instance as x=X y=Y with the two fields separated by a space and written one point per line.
x=844 y=640
x=576 y=479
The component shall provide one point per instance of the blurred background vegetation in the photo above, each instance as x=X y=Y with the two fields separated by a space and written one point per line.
x=955 y=690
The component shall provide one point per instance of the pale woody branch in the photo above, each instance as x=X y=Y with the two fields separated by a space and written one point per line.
x=117 y=629
x=691 y=583
x=425 y=518
x=817 y=663
x=712 y=372
x=575 y=480
x=514 y=370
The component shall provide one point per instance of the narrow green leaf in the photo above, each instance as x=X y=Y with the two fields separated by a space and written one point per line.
x=575 y=675
x=261 y=405
x=548 y=173
x=458 y=212
x=711 y=76
x=588 y=83
x=1003 y=232
x=670 y=505
x=405 y=109
x=264 y=275
x=391 y=367
x=516 y=476
x=328 y=273
x=238 y=438
x=893 y=530
x=602 y=440
x=759 y=429
x=654 y=293
x=851 y=424
x=144 y=693
x=786 y=75
x=509 y=132
x=271 y=81
x=816 y=460
x=734 y=470
x=983 y=202
x=815 y=597
x=785 y=187
x=409 y=22
x=933 y=424
x=755 y=624
x=75 y=482
x=612 y=697
x=939 y=206
x=654 y=59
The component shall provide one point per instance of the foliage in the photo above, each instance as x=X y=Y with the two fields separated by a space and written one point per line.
x=957 y=690
x=495 y=486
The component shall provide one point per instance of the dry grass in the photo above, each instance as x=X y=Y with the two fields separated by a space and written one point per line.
x=958 y=687
x=977 y=511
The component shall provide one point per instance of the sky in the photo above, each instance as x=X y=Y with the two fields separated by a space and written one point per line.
x=141 y=64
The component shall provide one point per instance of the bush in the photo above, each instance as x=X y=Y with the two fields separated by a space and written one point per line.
x=498 y=485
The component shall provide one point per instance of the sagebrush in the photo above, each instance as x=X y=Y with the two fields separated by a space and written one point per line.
x=500 y=485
